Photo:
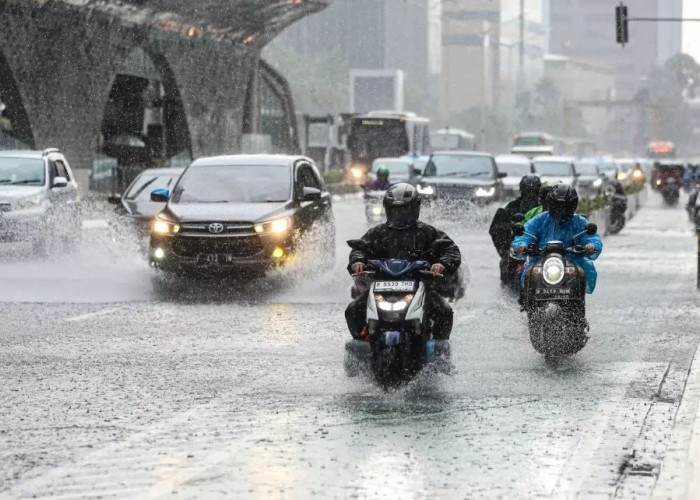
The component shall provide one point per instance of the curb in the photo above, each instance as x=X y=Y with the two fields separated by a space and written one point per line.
x=676 y=476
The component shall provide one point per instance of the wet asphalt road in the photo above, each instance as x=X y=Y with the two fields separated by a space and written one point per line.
x=109 y=389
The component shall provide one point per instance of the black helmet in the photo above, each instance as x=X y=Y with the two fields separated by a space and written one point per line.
x=562 y=202
x=402 y=205
x=530 y=183
x=544 y=192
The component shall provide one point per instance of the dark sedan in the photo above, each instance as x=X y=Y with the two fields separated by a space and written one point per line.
x=242 y=212
x=463 y=176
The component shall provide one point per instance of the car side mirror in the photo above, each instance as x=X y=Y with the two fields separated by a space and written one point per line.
x=591 y=228
x=160 y=195
x=502 y=175
x=518 y=229
x=114 y=199
x=59 y=182
x=357 y=245
x=311 y=194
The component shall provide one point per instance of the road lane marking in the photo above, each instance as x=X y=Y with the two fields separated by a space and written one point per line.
x=81 y=317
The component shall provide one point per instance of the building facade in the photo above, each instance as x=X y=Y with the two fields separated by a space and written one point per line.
x=376 y=35
x=585 y=29
x=492 y=50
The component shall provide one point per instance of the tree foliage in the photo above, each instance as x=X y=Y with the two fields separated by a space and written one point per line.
x=663 y=98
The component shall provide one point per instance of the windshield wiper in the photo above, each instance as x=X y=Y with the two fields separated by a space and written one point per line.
x=27 y=181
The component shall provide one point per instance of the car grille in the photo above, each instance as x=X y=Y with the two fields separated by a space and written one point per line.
x=237 y=246
x=454 y=192
x=238 y=228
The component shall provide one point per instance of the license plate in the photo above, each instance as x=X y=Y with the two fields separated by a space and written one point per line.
x=216 y=258
x=553 y=293
x=394 y=286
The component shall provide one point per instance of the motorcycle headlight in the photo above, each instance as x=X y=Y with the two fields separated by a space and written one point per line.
x=638 y=174
x=553 y=271
x=277 y=226
x=357 y=172
x=377 y=210
x=161 y=226
x=29 y=202
x=597 y=183
x=397 y=306
x=485 y=192
x=426 y=190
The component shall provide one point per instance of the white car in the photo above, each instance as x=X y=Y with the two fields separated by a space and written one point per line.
x=555 y=169
x=39 y=202
x=515 y=167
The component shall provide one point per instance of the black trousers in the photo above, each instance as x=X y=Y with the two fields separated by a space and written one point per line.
x=437 y=311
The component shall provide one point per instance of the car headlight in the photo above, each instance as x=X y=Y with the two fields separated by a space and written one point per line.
x=277 y=226
x=485 y=193
x=161 y=226
x=426 y=190
x=30 y=202
x=357 y=172
x=597 y=183
x=553 y=271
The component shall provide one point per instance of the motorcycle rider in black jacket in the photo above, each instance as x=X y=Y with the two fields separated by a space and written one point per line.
x=403 y=236
x=502 y=224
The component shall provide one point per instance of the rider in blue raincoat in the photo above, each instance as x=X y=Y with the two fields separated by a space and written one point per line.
x=561 y=223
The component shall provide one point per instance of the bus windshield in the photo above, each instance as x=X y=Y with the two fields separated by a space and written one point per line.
x=531 y=140
x=376 y=138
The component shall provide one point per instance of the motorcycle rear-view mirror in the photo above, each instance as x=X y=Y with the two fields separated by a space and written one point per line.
x=357 y=245
x=591 y=228
x=517 y=218
x=518 y=229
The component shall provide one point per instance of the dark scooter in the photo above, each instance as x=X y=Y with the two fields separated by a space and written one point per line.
x=399 y=341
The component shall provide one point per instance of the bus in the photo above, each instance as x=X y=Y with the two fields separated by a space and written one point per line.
x=452 y=139
x=533 y=144
x=385 y=134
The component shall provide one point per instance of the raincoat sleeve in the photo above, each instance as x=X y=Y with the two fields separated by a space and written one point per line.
x=360 y=255
x=534 y=227
x=446 y=251
x=587 y=239
x=500 y=231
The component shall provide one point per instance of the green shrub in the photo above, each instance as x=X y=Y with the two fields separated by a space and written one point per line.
x=590 y=205
x=334 y=176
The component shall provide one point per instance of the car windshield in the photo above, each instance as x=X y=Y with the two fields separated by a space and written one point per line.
x=234 y=184
x=460 y=166
x=586 y=168
x=143 y=185
x=514 y=169
x=22 y=171
x=396 y=168
x=553 y=168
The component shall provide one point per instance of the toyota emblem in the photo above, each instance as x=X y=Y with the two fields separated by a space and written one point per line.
x=216 y=228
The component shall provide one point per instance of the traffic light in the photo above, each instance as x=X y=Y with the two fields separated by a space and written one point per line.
x=622 y=24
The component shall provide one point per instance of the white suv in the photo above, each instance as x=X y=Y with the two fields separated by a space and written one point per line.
x=39 y=200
